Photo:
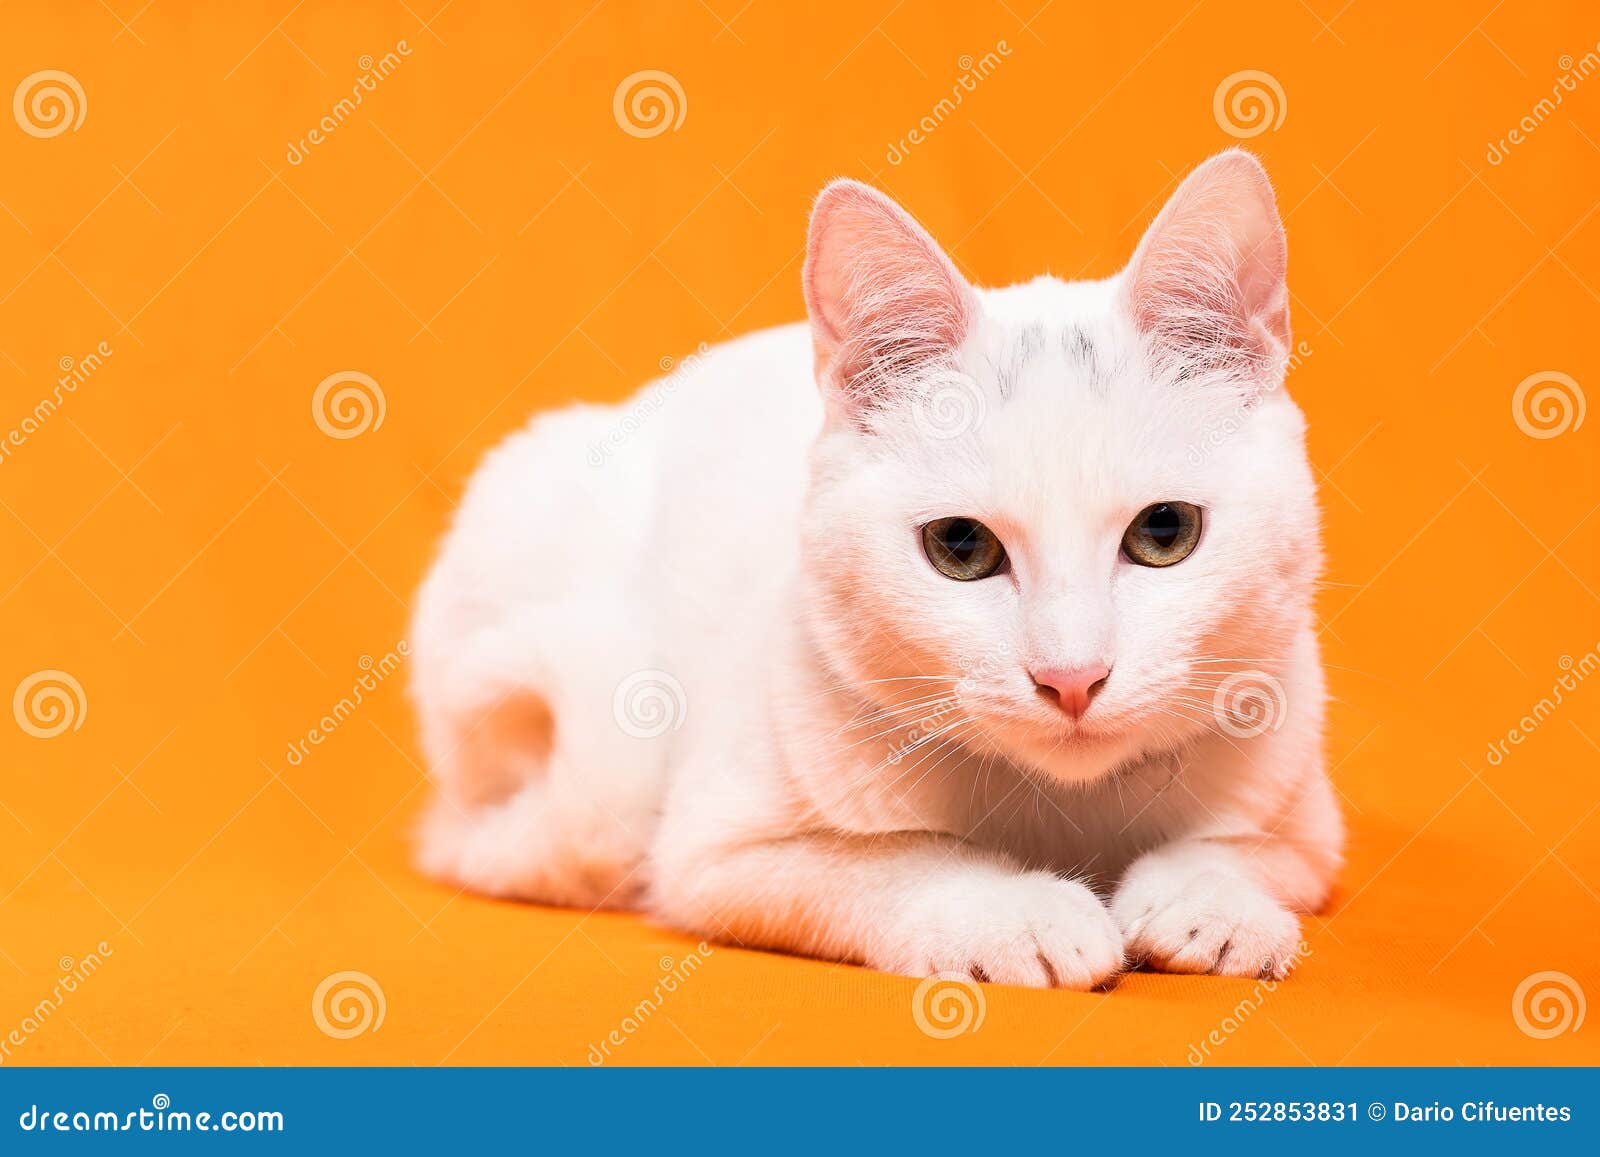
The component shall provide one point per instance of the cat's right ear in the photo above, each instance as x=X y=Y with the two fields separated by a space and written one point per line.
x=886 y=303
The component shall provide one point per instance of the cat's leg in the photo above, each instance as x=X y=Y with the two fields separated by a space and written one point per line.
x=911 y=903
x=540 y=795
x=1227 y=904
x=541 y=844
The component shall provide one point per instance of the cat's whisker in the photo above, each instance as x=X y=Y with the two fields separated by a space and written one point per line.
x=905 y=724
x=959 y=741
x=896 y=709
x=855 y=688
x=898 y=755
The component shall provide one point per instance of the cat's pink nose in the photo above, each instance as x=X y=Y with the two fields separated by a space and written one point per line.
x=1071 y=687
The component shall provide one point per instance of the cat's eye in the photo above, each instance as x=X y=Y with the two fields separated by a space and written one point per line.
x=962 y=548
x=1162 y=534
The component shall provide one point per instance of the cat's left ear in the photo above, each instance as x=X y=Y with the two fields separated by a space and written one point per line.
x=885 y=301
x=1207 y=283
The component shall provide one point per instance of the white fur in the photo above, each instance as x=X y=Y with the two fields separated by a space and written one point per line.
x=751 y=536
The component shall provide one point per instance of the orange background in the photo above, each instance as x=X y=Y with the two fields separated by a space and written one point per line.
x=482 y=238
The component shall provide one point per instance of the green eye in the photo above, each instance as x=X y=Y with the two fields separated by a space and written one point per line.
x=1162 y=534
x=962 y=548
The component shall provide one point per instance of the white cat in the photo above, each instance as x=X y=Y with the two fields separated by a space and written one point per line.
x=970 y=630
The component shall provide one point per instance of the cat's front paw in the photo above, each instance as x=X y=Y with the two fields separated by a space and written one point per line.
x=1220 y=922
x=1031 y=929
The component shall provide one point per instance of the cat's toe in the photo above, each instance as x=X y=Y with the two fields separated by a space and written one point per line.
x=1221 y=924
x=1034 y=930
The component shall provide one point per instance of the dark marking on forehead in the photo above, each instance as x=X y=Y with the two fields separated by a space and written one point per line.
x=1076 y=345
x=1028 y=342
x=1005 y=376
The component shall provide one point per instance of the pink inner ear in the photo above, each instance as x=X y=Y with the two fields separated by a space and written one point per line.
x=884 y=299
x=1208 y=280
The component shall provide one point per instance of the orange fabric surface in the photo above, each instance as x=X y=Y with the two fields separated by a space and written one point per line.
x=481 y=237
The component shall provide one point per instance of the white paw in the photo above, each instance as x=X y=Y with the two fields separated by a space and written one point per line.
x=1031 y=929
x=1221 y=922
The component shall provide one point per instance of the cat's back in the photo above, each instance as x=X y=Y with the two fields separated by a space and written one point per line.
x=592 y=497
x=737 y=427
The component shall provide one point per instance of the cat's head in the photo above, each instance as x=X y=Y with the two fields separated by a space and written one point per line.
x=1056 y=518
